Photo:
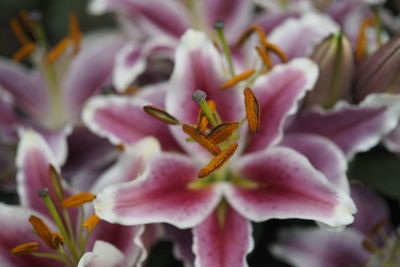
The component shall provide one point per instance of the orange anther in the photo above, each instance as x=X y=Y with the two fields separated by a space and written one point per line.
x=160 y=114
x=218 y=161
x=120 y=147
x=19 y=31
x=43 y=231
x=54 y=54
x=78 y=200
x=202 y=120
x=24 y=52
x=279 y=52
x=200 y=138
x=253 y=28
x=223 y=131
x=26 y=248
x=131 y=90
x=75 y=32
x=24 y=15
x=91 y=222
x=379 y=226
x=362 y=37
x=265 y=57
x=252 y=110
x=238 y=78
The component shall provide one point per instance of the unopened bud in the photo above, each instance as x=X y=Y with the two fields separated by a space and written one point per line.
x=335 y=60
x=380 y=72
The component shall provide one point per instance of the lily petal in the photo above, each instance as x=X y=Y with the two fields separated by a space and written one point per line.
x=160 y=194
x=297 y=37
x=198 y=66
x=222 y=244
x=131 y=61
x=278 y=94
x=104 y=254
x=15 y=230
x=33 y=159
x=352 y=128
x=16 y=80
x=154 y=16
x=289 y=187
x=235 y=14
x=323 y=154
x=182 y=241
x=89 y=71
x=122 y=120
x=316 y=247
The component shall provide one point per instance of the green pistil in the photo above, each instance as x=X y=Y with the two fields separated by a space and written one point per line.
x=199 y=97
x=62 y=258
x=219 y=27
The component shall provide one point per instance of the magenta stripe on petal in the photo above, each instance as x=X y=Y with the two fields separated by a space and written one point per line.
x=323 y=154
x=289 y=187
x=161 y=194
x=222 y=244
x=123 y=121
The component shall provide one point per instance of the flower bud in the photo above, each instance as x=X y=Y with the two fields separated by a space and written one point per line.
x=380 y=72
x=335 y=60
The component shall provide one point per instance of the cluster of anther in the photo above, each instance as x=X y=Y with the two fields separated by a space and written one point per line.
x=29 y=33
x=210 y=132
x=75 y=241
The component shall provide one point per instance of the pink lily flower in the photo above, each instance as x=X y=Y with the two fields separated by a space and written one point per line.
x=361 y=244
x=86 y=241
x=155 y=27
x=261 y=181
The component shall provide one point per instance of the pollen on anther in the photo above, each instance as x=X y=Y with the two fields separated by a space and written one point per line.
x=238 y=78
x=200 y=138
x=161 y=114
x=218 y=161
x=43 y=231
x=252 y=110
x=54 y=54
x=78 y=200
x=91 y=222
x=25 y=249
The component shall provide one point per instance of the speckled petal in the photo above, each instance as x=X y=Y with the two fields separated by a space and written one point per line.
x=224 y=244
x=289 y=187
x=160 y=194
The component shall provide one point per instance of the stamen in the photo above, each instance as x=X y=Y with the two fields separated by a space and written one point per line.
x=279 y=52
x=161 y=115
x=43 y=231
x=253 y=28
x=57 y=239
x=218 y=161
x=131 y=90
x=55 y=179
x=202 y=139
x=252 y=110
x=223 y=131
x=202 y=120
x=362 y=37
x=379 y=225
x=238 y=78
x=25 y=249
x=120 y=147
x=265 y=57
x=199 y=97
x=91 y=222
x=19 y=32
x=368 y=246
x=75 y=32
x=24 y=52
x=27 y=19
x=54 y=54
x=78 y=200
x=219 y=27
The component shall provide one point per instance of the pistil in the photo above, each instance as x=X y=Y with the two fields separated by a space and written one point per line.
x=219 y=27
